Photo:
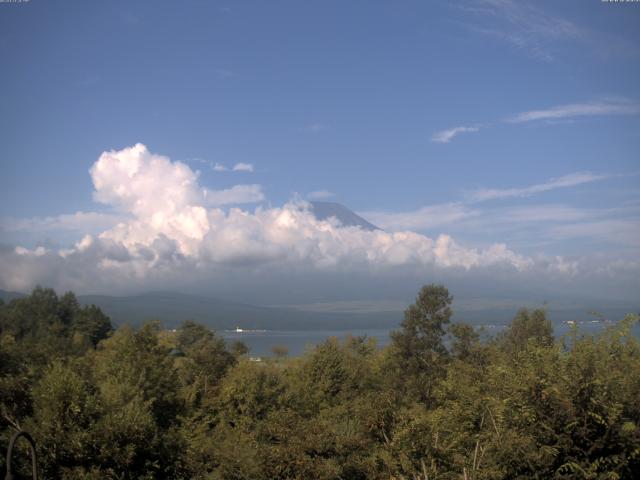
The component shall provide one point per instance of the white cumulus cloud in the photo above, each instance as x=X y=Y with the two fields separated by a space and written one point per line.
x=173 y=226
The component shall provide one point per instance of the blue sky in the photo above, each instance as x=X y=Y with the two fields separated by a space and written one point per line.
x=494 y=122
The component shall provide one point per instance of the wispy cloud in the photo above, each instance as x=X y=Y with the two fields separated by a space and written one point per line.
x=218 y=167
x=523 y=26
x=620 y=107
x=540 y=33
x=571 y=180
x=422 y=219
x=320 y=195
x=243 y=167
x=215 y=166
x=445 y=136
x=554 y=227
x=540 y=213
x=448 y=214
x=557 y=114
x=625 y=231
x=468 y=217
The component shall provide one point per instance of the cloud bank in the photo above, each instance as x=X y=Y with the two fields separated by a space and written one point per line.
x=172 y=226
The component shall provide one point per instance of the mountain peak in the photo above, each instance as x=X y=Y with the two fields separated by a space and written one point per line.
x=348 y=218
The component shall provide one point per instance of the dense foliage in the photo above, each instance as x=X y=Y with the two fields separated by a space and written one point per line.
x=438 y=403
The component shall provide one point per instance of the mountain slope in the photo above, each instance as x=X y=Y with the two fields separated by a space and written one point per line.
x=325 y=210
x=173 y=308
x=8 y=296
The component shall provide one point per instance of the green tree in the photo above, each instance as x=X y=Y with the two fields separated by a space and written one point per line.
x=65 y=408
x=205 y=361
x=47 y=326
x=465 y=340
x=138 y=389
x=92 y=324
x=419 y=353
x=527 y=326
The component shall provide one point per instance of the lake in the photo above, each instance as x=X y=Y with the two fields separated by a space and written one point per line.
x=260 y=342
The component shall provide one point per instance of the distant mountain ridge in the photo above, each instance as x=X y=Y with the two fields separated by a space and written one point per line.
x=8 y=296
x=172 y=308
x=348 y=218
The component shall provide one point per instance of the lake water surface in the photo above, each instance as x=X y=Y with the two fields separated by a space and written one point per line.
x=261 y=342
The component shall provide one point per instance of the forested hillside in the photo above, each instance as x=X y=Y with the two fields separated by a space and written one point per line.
x=150 y=403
